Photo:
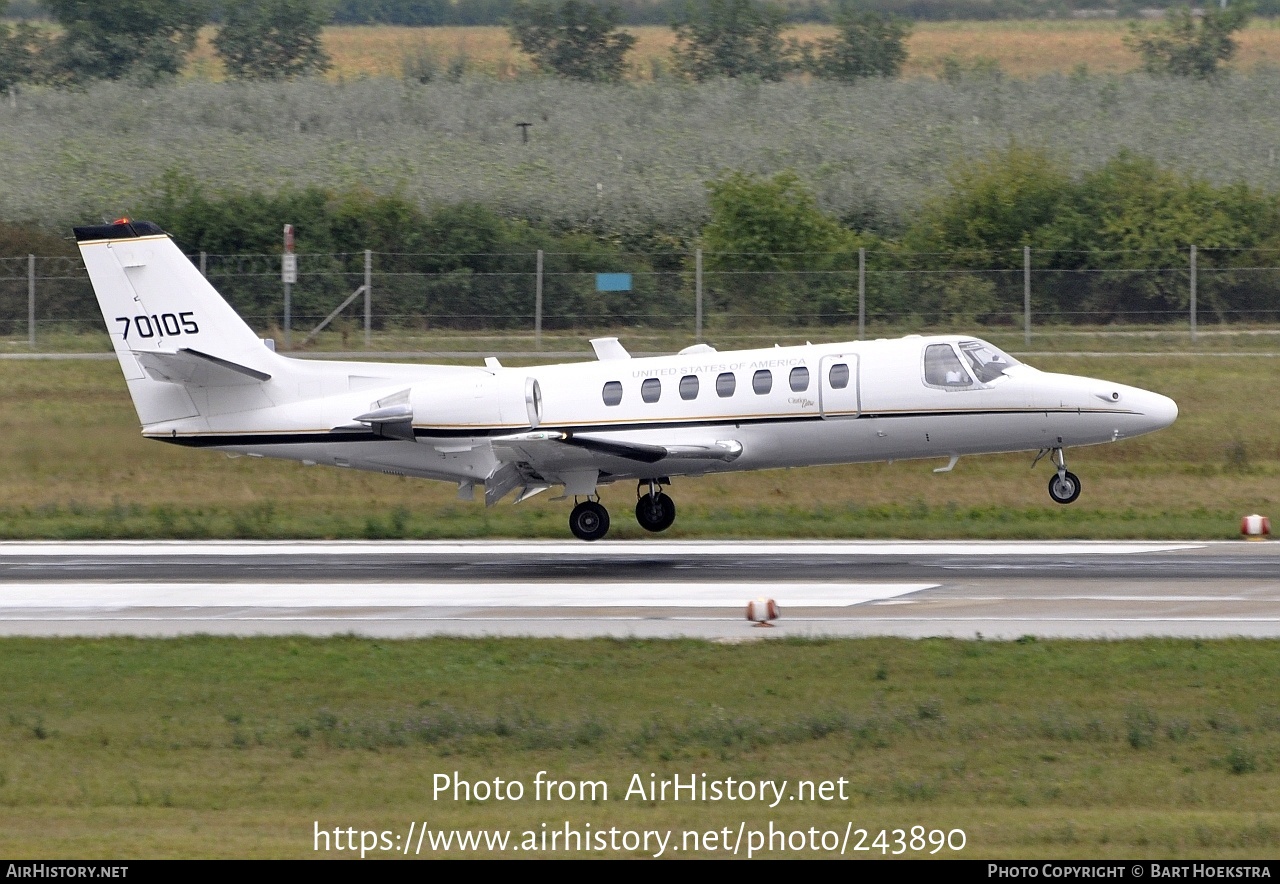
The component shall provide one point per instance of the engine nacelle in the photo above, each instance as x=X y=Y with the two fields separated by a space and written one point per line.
x=484 y=401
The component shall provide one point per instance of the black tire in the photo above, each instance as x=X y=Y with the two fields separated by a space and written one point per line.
x=1065 y=489
x=655 y=513
x=589 y=521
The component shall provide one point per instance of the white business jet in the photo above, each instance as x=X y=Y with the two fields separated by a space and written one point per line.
x=200 y=377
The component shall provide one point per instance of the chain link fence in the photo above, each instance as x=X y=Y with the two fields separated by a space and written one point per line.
x=43 y=299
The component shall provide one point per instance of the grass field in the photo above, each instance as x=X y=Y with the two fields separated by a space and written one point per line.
x=1019 y=48
x=75 y=465
x=225 y=747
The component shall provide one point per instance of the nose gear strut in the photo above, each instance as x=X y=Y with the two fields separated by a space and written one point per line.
x=1064 y=486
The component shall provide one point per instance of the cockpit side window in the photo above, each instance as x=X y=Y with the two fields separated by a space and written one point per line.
x=988 y=362
x=942 y=368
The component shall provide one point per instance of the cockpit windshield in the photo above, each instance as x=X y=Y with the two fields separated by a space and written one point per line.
x=988 y=361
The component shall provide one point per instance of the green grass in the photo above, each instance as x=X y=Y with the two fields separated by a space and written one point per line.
x=75 y=466
x=237 y=747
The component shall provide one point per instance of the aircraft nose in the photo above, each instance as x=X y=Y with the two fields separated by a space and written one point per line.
x=1158 y=411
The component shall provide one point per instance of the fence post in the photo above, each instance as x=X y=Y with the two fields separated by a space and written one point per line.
x=1026 y=294
x=1193 y=293
x=288 y=275
x=862 y=292
x=31 y=301
x=204 y=265
x=368 y=298
x=537 y=307
x=697 y=297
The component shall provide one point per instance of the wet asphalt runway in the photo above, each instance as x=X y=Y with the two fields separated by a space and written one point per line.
x=642 y=589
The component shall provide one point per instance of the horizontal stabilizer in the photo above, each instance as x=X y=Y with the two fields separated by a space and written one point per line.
x=393 y=421
x=609 y=349
x=195 y=369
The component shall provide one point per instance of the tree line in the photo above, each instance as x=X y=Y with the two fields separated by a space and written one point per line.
x=279 y=39
x=1110 y=244
x=663 y=12
x=147 y=40
x=581 y=40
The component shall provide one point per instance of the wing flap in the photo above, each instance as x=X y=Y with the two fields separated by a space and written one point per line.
x=552 y=449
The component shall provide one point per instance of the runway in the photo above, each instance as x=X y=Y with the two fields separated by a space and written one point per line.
x=653 y=589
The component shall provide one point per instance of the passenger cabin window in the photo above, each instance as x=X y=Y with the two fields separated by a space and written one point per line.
x=726 y=383
x=651 y=390
x=838 y=376
x=942 y=368
x=799 y=379
x=612 y=393
x=689 y=387
x=762 y=381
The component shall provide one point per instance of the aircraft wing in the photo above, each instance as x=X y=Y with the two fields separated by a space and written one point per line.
x=559 y=449
x=538 y=459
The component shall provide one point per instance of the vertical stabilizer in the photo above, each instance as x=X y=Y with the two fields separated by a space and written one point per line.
x=160 y=311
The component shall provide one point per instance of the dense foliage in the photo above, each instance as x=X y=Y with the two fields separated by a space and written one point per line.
x=271 y=39
x=1109 y=244
x=142 y=38
x=731 y=38
x=462 y=265
x=23 y=54
x=579 y=40
x=866 y=44
x=1127 y=215
x=663 y=12
x=1188 y=45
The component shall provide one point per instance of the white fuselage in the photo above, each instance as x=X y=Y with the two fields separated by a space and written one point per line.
x=788 y=406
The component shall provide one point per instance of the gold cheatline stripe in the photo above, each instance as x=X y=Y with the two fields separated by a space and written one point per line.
x=670 y=420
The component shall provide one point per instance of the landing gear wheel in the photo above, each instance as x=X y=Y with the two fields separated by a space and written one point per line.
x=589 y=521
x=655 y=512
x=1064 y=488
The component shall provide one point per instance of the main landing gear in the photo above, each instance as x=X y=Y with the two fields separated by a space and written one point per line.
x=655 y=511
x=1064 y=486
x=589 y=520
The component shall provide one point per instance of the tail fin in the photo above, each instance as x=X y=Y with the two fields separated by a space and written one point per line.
x=170 y=328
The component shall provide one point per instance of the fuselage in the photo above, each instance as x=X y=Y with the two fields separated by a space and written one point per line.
x=852 y=402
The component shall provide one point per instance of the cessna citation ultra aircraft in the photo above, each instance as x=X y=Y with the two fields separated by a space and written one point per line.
x=200 y=377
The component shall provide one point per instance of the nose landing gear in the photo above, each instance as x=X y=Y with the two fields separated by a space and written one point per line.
x=1064 y=486
x=655 y=511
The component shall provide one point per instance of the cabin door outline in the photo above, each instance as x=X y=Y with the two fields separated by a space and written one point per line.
x=839 y=402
